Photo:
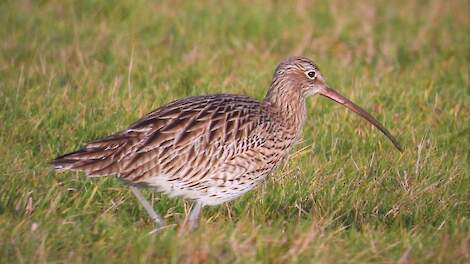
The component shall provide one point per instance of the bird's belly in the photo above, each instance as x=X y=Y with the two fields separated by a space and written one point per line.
x=210 y=191
x=173 y=188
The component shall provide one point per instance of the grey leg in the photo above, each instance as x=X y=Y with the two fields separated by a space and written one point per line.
x=193 y=219
x=159 y=222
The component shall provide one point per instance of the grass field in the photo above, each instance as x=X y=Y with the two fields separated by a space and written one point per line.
x=73 y=71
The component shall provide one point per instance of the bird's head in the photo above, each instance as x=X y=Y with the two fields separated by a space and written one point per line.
x=299 y=74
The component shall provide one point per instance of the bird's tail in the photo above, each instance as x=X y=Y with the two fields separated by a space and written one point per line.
x=97 y=158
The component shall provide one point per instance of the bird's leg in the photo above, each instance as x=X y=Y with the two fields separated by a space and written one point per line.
x=193 y=218
x=159 y=222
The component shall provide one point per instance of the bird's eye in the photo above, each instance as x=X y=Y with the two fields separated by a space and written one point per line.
x=311 y=74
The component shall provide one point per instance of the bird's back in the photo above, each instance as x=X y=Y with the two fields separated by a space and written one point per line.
x=212 y=148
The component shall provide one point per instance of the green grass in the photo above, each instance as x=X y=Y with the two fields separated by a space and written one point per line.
x=74 y=71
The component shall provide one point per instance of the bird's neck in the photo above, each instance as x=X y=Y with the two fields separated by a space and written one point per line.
x=288 y=106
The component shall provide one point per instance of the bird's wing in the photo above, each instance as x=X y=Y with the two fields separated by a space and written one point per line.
x=185 y=137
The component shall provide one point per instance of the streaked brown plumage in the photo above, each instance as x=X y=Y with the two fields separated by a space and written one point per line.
x=214 y=148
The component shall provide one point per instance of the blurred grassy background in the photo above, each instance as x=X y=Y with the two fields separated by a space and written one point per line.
x=73 y=71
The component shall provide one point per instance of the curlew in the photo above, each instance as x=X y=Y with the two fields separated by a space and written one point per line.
x=211 y=149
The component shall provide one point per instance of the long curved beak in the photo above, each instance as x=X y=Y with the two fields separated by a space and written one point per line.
x=335 y=96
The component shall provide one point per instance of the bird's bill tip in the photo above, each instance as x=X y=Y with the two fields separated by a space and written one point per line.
x=337 y=97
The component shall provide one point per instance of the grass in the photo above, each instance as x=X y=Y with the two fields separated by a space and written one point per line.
x=73 y=71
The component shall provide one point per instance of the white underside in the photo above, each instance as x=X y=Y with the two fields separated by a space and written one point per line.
x=213 y=195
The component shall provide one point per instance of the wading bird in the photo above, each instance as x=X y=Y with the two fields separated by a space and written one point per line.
x=211 y=149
